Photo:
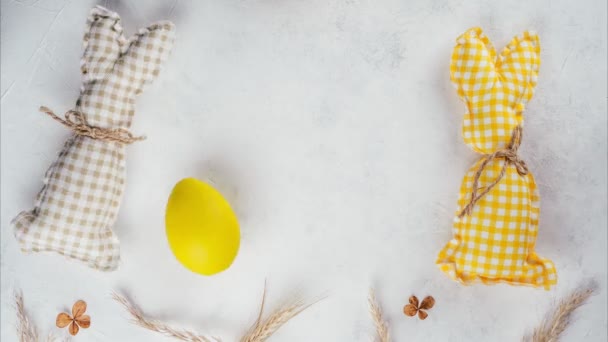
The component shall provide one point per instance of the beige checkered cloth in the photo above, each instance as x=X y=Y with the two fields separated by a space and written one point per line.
x=78 y=204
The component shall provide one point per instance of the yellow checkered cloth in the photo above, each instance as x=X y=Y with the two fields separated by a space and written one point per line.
x=78 y=204
x=495 y=244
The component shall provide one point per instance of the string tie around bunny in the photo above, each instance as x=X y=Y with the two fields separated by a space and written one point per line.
x=510 y=157
x=77 y=122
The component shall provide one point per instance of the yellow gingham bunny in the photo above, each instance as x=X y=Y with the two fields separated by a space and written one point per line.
x=498 y=208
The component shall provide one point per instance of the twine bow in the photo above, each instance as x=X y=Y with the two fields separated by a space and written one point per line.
x=510 y=156
x=76 y=121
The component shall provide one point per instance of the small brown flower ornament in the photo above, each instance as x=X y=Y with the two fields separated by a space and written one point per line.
x=77 y=320
x=412 y=308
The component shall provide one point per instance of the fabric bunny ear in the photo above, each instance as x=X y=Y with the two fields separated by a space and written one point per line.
x=103 y=43
x=518 y=65
x=472 y=68
x=147 y=50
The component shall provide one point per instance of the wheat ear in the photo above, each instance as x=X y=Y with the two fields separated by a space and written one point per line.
x=26 y=330
x=376 y=312
x=138 y=318
x=263 y=329
x=558 y=320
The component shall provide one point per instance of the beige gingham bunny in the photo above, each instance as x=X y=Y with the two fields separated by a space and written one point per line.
x=77 y=206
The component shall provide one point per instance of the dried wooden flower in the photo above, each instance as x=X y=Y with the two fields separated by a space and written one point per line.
x=414 y=308
x=77 y=320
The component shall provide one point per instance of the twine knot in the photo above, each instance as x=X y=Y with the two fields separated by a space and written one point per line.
x=77 y=122
x=510 y=157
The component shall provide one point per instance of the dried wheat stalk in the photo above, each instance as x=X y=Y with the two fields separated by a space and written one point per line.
x=556 y=322
x=26 y=330
x=262 y=330
x=381 y=326
x=259 y=332
x=138 y=318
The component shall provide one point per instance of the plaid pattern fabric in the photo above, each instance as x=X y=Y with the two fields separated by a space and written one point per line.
x=78 y=204
x=496 y=242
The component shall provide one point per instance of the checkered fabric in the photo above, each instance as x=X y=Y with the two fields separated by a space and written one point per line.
x=77 y=206
x=495 y=244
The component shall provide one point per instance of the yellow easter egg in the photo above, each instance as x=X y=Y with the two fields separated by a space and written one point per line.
x=202 y=230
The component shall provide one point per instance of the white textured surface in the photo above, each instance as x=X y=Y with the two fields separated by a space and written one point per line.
x=332 y=128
